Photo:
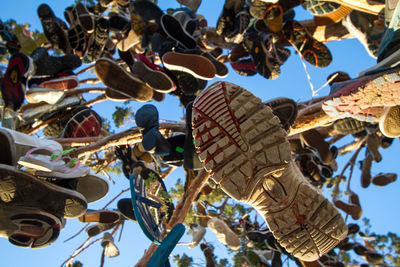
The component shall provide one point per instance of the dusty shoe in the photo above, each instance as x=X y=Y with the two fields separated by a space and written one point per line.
x=244 y=147
x=389 y=123
x=224 y=234
x=384 y=179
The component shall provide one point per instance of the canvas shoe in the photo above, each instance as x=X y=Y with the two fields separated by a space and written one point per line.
x=156 y=79
x=100 y=216
x=19 y=69
x=314 y=52
x=117 y=78
x=54 y=28
x=389 y=123
x=47 y=65
x=173 y=28
x=224 y=234
x=110 y=249
x=384 y=179
x=348 y=126
x=196 y=65
x=244 y=147
x=351 y=98
x=20 y=188
x=38 y=94
x=79 y=15
x=35 y=228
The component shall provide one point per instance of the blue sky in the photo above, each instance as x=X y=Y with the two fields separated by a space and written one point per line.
x=379 y=204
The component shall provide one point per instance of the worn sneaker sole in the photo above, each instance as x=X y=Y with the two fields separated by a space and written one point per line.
x=244 y=147
x=377 y=90
x=18 y=188
x=158 y=80
x=389 y=123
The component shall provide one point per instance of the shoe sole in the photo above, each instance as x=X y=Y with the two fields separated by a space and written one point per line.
x=376 y=90
x=157 y=80
x=178 y=33
x=389 y=123
x=198 y=66
x=18 y=188
x=62 y=83
x=100 y=217
x=242 y=144
x=120 y=80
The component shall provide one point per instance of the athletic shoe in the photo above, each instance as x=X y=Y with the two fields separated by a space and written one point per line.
x=353 y=210
x=196 y=65
x=38 y=94
x=126 y=209
x=384 y=179
x=264 y=63
x=47 y=65
x=366 y=171
x=221 y=71
x=156 y=79
x=19 y=68
x=86 y=123
x=64 y=82
x=373 y=143
x=285 y=109
x=176 y=152
x=99 y=228
x=313 y=140
x=117 y=78
x=228 y=122
x=353 y=98
x=348 y=126
x=54 y=28
x=244 y=67
x=314 y=52
x=389 y=123
x=172 y=27
x=21 y=188
x=224 y=234
x=98 y=39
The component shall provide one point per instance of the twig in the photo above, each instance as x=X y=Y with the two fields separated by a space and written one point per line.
x=80 y=249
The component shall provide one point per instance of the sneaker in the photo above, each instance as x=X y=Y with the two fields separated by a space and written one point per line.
x=85 y=123
x=315 y=141
x=221 y=71
x=224 y=234
x=267 y=178
x=99 y=228
x=21 y=188
x=152 y=140
x=100 y=216
x=389 y=122
x=373 y=144
x=172 y=27
x=275 y=48
x=148 y=11
x=25 y=40
x=176 y=152
x=348 y=126
x=117 y=78
x=351 y=98
x=110 y=249
x=47 y=65
x=226 y=21
x=196 y=65
x=264 y=63
x=156 y=79
x=79 y=15
x=61 y=81
x=54 y=28
x=285 y=109
x=353 y=210
x=98 y=39
x=19 y=68
x=384 y=179
x=35 y=228
x=38 y=94
x=244 y=67
x=314 y=52
x=198 y=235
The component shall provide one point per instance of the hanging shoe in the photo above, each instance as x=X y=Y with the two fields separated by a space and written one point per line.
x=19 y=69
x=224 y=234
x=156 y=79
x=268 y=178
x=285 y=109
x=96 y=229
x=348 y=126
x=198 y=234
x=110 y=249
x=118 y=79
x=172 y=27
x=389 y=123
x=85 y=123
x=176 y=154
x=314 y=52
x=98 y=39
x=366 y=171
x=244 y=67
x=384 y=179
x=191 y=4
x=100 y=216
x=126 y=209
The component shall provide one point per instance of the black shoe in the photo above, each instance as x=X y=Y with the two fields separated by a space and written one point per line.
x=285 y=109
x=192 y=161
x=48 y=65
x=148 y=11
x=125 y=207
x=176 y=154
x=221 y=69
x=172 y=27
x=54 y=28
x=226 y=21
x=99 y=41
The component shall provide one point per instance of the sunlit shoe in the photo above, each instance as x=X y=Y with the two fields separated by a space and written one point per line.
x=224 y=234
x=244 y=147
x=110 y=249
x=384 y=179
x=389 y=123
